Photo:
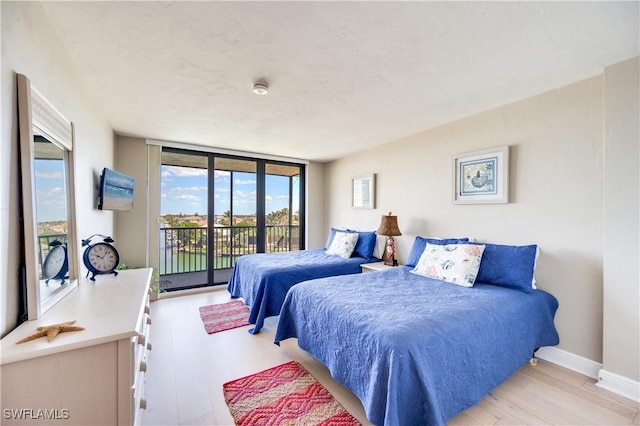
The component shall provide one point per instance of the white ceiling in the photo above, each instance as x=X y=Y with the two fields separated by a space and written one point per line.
x=343 y=76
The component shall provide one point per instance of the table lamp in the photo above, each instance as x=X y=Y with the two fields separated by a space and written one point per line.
x=389 y=228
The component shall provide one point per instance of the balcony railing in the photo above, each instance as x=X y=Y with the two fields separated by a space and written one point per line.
x=184 y=250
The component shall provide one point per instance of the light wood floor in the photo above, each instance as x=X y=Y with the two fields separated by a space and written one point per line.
x=187 y=367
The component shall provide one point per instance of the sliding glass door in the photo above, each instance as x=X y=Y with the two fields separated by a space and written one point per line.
x=216 y=208
x=282 y=206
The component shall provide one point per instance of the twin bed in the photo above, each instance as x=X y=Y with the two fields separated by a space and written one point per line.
x=416 y=349
x=263 y=280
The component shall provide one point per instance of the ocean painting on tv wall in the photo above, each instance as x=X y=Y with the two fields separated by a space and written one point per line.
x=116 y=191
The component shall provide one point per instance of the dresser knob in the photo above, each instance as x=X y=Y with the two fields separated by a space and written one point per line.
x=142 y=340
x=143 y=366
x=147 y=309
x=149 y=320
x=143 y=404
x=149 y=346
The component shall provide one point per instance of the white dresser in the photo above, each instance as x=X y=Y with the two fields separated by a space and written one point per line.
x=90 y=377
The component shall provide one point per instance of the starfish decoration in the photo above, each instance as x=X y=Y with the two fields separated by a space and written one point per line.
x=51 y=331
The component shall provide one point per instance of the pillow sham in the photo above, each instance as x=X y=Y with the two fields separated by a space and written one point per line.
x=454 y=263
x=332 y=233
x=508 y=266
x=535 y=263
x=343 y=244
x=380 y=246
x=366 y=244
x=420 y=243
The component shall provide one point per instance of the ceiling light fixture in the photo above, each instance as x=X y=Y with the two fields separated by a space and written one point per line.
x=260 y=88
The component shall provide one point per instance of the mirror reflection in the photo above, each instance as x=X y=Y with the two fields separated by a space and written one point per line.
x=48 y=206
x=51 y=216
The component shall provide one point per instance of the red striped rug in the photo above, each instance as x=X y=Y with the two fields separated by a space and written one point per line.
x=283 y=395
x=224 y=316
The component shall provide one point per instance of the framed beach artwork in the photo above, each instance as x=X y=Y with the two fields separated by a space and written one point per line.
x=116 y=191
x=363 y=191
x=482 y=177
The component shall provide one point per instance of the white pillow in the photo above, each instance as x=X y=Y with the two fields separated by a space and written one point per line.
x=381 y=245
x=453 y=263
x=343 y=244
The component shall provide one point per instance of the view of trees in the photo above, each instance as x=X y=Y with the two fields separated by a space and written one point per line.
x=226 y=218
x=189 y=235
x=173 y=221
x=276 y=218
x=280 y=217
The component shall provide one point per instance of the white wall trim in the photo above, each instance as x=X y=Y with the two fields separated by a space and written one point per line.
x=570 y=360
x=619 y=384
x=203 y=148
x=606 y=380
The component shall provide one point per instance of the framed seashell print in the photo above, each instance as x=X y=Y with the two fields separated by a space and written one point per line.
x=482 y=177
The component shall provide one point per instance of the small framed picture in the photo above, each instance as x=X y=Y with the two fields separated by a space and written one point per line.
x=482 y=177
x=363 y=191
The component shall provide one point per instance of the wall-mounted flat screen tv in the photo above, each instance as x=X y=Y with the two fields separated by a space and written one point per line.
x=116 y=191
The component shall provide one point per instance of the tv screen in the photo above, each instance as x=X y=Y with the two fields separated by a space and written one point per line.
x=116 y=191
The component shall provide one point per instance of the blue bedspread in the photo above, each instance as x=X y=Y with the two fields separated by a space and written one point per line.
x=263 y=279
x=416 y=351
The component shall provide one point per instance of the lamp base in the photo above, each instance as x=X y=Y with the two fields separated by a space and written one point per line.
x=391 y=262
x=390 y=252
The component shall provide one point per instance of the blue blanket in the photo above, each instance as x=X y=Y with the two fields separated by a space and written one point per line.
x=263 y=280
x=416 y=351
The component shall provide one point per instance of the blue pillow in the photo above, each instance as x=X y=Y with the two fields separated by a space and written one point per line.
x=508 y=266
x=366 y=244
x=332 y=233
x=420 y=243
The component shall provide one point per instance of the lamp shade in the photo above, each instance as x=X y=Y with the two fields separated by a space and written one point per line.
x=389 y=226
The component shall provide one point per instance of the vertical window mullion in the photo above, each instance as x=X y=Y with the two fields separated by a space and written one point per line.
x=211 y=219
x=301 y=207
x=261 y=218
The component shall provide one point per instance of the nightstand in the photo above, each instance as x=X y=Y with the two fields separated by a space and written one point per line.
x=374 y=267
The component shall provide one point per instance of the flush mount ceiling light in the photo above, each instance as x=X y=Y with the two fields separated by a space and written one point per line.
x=260 y=88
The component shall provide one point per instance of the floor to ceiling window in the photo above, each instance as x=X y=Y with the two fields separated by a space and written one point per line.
x=216 y=207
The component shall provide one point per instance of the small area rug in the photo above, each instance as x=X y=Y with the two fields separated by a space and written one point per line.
x=283 y=395
x=224 y=316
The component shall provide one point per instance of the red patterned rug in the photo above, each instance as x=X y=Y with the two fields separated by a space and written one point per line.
x=283 y=395
x=224 y=316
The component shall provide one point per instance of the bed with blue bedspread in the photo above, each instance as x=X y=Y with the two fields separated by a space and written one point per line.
x=263 y=280
x=417 y=350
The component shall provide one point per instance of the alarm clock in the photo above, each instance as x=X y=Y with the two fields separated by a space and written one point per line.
x=56 y=264
x=100 y=258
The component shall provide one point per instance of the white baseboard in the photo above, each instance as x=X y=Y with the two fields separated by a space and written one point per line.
x=606 y=380
x=619 y=384
x=569 y=360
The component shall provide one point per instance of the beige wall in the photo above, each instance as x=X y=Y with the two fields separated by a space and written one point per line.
x=139 y=229
x=31 y=47
x=132 y=227
x=621 y=220
x=316 y=229
x=556 y=195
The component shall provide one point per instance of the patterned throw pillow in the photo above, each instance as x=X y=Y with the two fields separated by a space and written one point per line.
x=421 y=242
x=453 y=263
x=343 y=244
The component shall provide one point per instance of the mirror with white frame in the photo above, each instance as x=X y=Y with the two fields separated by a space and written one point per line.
x=46 y=158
